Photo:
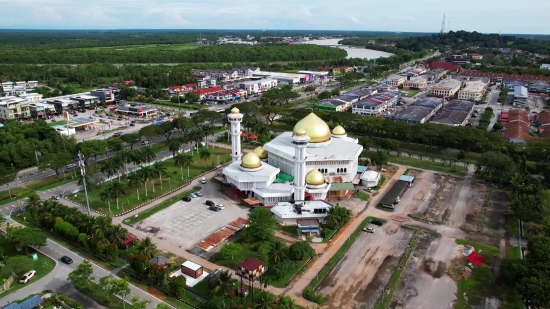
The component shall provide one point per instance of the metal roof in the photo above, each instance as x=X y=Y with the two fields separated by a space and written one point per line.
x=406 y=178
x=341 y=186
x=393 y=193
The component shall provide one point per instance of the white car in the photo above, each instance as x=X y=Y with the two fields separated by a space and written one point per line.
x=368 y=230
x=26 y=277
x=220 y=206
x=203 y=180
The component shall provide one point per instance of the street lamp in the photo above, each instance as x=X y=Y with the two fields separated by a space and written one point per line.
x=178 y=90
x=83 y=173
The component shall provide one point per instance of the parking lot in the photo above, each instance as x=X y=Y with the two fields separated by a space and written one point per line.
x=186 y=223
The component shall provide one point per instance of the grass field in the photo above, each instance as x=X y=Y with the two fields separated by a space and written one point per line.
x=61 y=122
x=43 y=265
x=426 y=164
x=173 y=179
x=471 y=157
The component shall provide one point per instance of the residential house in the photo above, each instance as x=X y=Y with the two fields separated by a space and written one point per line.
x=31 y=97
x=205 y=91
x=246 y=71
x=516 y=124
x=545 y=66
x=457 y=59
x=477 y=56
x=32 y=84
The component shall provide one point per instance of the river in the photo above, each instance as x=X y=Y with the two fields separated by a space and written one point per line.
x=353 y=52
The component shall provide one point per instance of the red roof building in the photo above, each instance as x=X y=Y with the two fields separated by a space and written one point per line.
x=446 y=66
x=517 y=124
x=543 y=119
x=206 y=91
x=251 y=264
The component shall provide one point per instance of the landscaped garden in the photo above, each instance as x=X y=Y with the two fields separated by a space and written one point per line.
x=150 y=182
x=18 y=257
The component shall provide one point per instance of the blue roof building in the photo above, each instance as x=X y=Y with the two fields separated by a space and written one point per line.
x=29 y=303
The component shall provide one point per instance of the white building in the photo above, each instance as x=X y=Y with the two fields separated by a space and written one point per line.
x=520 y=95
x=370 y=178
x=545 y=66
x=446 y=88
x=31 y=97
x=473 y=90
x=311 y=157
x=395 y=81
x=256 y=86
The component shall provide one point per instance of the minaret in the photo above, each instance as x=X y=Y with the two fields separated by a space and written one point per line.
x=235 y=119
x=300 y=141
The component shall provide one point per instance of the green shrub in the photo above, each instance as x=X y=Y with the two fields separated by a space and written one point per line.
x=278 y=271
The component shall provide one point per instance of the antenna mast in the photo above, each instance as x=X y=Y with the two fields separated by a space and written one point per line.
x=442 y=25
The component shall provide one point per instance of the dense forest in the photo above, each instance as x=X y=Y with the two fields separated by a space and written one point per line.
x=459 y=39
x=159 y=55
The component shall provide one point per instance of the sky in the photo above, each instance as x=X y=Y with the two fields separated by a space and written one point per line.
x=486 y=16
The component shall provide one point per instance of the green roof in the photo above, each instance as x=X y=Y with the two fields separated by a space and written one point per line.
x=282 y=178
x=341 y=186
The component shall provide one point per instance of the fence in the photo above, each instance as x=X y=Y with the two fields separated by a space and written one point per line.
x=9 y=282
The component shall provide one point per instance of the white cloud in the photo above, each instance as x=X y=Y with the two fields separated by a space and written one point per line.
x=392 y=15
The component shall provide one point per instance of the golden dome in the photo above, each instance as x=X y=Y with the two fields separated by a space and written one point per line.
x=251 y=160
x=260 y=152
x=235 y=110
x=338 y=130
x=300 y=132
x=317 y=130
x=315 y=178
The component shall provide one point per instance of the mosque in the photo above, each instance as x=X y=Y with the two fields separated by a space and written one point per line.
x=311 y=163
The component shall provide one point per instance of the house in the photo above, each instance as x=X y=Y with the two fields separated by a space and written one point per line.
x=206 y=91
x=191 y=269
x=309 y=226
x=289 y=214
x=246 y=71
x=457 y=59
x=29 y=303
x=251 y=268
x=15 y=108
x=516 y=126
x=32 y=84
x=446 y=88
x=160 y=261
x=545 y=66
x=477 y=56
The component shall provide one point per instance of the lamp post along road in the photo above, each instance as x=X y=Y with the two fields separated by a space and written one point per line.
x=83 y=173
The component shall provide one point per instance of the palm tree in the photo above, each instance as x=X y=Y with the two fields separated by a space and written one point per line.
x=147 y=154
x=224 y=284
x=285 y=302
x=147 y=173
x=160 y=170
x=118 y=234
x=135 y=157
x=105 y=195
x=110 y=167
x=32 y=201
x=122 y=159
x=102 y=225
x=277 y=251
x=134 y=180
x=265 y=301
x=174 y=145
x=147 y=247
x=205 y=154
x=182 y=160
x=116 y=190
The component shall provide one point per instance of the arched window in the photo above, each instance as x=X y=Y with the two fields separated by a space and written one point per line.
x=345 y=170
x=337 y=170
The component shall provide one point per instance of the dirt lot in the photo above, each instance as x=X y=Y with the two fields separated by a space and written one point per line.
x=418 y=198
x=426 y=282
x=494 y=218
x=361 y=274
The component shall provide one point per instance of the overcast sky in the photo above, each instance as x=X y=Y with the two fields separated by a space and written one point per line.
x=487 y=16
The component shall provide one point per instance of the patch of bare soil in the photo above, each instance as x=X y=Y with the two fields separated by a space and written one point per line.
x=440 y=211
x=472 y=220
x=494 y=219
x=427 y=188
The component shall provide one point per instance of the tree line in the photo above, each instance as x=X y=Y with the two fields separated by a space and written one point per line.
x=151 y=55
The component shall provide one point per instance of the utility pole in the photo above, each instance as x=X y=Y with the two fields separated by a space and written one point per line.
x=83 y=173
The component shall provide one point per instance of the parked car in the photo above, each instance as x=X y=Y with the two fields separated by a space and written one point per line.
x=132 y=124
x=198 y=193
x=55 y=197
x=186 y=199
x=145 y=143
x=377 y=222
x=67 y=260
x=368 y=230
x=203 y=180
x=192 y=195
x=368 y=189
x=210 y=203
x=220 y=206
x=214 y=208
x=27 y=276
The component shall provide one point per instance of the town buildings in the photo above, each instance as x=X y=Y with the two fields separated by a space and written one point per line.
x=477 y=56
x=376 y=103
x=516 y=124
x=14 y=108
x=395 y=81
x=420 y=111
x=520 y=95
x=455 y=113
x=446 y=88
x=473 y=89
x=415 y=83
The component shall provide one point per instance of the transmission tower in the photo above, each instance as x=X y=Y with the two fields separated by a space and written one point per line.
x=442 y=25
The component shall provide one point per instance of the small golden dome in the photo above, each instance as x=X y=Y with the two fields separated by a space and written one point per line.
x=338 y=130
x=317 y=130
x=235 y=110
x=315 y=178
x=300 y=132
x=251 y=160
x=260 y=152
